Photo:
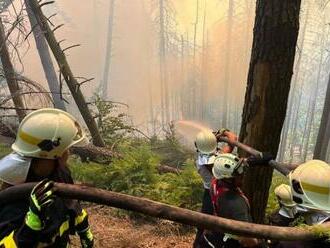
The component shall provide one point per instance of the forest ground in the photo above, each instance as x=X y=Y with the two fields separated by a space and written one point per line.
x=111 y=231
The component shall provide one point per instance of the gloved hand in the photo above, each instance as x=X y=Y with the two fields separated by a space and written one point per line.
x=41 y=197
x=86 y=239
x=229 y=135
x=263 y=160
x=83 y=230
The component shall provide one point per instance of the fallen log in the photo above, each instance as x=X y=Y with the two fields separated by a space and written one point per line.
x=167 y=169
x=164 y=211
x=93 y=153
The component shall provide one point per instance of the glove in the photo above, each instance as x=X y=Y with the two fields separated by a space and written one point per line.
x=83 y=230
x=263 y=160
x=41 y=198
x=87 y=239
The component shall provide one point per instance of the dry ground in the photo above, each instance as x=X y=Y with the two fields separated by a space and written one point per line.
x=110 y=231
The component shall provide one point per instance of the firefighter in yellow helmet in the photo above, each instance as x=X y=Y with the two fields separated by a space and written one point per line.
x=310 y=188
x=39 y=155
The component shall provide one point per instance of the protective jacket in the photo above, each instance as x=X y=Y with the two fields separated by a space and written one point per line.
x=61 y=219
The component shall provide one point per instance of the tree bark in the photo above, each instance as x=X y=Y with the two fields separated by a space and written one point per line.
x=67 y=73
x=164 y=211
x=275 y=37
x=46 y=60
x=108 y=52
x=9 y=72
x=323 y=137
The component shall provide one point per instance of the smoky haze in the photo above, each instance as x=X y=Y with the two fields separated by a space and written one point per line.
x=194 y=63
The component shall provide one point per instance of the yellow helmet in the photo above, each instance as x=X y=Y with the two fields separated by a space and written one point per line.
x=310 y=185
x=206 y=142
x=47 y=133
x=284 y=195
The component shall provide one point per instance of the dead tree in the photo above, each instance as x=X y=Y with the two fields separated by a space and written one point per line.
x=165 y=211
x=275 y=37
x=9 y=72
x=46 y=60
x=291 y=115
x=65 y=70
x=162 y=64
x=323 y=137
x=108 y=52
x=227 y=62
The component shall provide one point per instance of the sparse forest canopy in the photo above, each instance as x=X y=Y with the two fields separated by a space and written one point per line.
x=131 y=70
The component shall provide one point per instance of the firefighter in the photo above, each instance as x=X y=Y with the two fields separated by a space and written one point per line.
x=310 y=193
x=39 y=155
x=207 y=148
x=229 y=201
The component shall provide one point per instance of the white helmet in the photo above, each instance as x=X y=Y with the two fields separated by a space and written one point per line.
x=310 y=185
x=47 y=133
x=206 y=142
x=227 y=165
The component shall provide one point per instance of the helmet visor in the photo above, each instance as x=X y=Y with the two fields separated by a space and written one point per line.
x=14 y=168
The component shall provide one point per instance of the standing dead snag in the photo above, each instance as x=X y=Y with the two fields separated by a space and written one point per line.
x=274 y=44
x=9 y=72
x=46 y=60
x=65 y=70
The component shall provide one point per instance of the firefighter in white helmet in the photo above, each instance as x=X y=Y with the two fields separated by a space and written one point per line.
x=228 y=201
x=40 y=155
x=206 y=144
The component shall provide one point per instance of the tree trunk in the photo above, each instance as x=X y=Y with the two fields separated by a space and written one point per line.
x=162 y=66
x=323 y=137
x=45 y=59
x=290 y=112
x=227 y=63
x=275 y=37
x=67 y=73
x=108 y=52
x=9 y=72
x=165 y=211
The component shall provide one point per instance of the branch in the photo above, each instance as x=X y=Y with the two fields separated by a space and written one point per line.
x=46 y=3
x=77 y=45
x=165 y=211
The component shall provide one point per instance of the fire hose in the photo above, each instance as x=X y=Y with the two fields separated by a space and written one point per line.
x=278 y=166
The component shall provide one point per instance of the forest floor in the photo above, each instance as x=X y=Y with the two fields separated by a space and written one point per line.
x=111 y=231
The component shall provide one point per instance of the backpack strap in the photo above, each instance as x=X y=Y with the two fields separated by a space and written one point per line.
x=217 y=190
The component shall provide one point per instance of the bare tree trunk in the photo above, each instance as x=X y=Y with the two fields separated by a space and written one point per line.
x=275 y=37
x=165 y=211
x=108 y=52
x=305 y=133
x=311 y=120
x=296 y=120
x=162 y=66
x=67 y=73
x=227 y=63
x=9 y=72
x=46 y=60
x=323 y=137
x=292 y=95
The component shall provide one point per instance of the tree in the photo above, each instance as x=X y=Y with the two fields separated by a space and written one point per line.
x=271 y=67
x=9 y=72
x=65 y=70
x=108 y=52
x=46 y=60
x=323 y=137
